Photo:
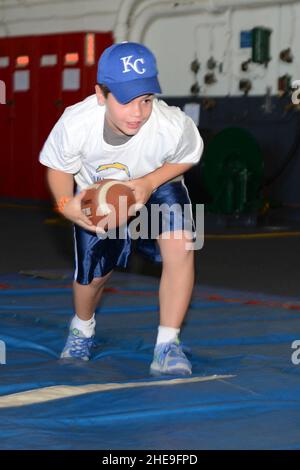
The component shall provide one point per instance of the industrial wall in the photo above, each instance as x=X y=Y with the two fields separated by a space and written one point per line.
x=213 y=35
x=221 y=46
x=23 y=17
x=236 y=60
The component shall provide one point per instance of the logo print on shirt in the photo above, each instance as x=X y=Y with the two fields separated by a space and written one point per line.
x=129 y=65
x=117 y=165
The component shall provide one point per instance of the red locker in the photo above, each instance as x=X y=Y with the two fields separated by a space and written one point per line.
x=49 y=103
x=6 y=118
x=24 y=85
x=44 y=74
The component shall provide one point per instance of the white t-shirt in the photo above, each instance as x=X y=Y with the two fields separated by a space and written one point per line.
x=76 y=145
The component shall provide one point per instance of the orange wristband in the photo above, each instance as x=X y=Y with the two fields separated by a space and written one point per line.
x=61 y=203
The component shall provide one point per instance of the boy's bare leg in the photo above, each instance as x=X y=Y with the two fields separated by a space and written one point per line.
x=177 y=279
x=176 y=285
x=87 y=297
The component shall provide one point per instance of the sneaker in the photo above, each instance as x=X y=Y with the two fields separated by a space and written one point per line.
x=77 y=346
x=170 y=359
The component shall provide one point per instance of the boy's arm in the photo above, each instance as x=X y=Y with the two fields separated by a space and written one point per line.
x=166 y=172
x=61 y=185
x=187 y=154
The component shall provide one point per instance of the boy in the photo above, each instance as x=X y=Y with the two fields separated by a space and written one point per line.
x=123 y=132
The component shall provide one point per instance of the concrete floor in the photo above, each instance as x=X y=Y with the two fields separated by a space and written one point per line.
x=35 y=238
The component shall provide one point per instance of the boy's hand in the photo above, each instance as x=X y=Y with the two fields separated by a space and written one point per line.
x=72 y=211
x=142 y=190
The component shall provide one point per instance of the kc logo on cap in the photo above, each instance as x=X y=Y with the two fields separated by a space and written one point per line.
x=128 y=65
x=128 y=70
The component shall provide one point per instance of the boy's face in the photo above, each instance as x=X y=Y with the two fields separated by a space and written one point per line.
x=126 y=119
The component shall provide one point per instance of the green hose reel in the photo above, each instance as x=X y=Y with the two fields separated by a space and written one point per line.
x=233 y=170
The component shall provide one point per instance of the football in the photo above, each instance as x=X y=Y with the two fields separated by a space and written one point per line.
x=107 y=203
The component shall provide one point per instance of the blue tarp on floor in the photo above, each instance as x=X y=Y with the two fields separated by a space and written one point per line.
x=243 y=394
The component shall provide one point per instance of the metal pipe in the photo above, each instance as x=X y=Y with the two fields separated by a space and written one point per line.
x=135 y=16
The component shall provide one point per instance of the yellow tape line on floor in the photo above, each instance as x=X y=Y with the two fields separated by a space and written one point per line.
x=252 y=235
x=42 y=395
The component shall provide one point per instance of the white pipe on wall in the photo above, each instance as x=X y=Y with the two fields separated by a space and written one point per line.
x=122 y=24
x=135 y=16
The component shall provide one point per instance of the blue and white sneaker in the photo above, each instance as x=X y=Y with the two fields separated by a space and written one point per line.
x=170 y=359
x=77 y=346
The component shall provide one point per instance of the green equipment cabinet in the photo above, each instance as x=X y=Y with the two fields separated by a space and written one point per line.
x=261 y=45
x=233 y=170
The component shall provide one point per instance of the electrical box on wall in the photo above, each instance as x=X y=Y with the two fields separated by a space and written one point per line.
x=245 y=39
x=261 y=45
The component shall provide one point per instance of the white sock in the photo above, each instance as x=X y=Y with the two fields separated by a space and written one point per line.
x=87 y=327
x=167 y=334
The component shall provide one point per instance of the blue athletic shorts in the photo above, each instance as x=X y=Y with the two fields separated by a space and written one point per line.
x=95 y=257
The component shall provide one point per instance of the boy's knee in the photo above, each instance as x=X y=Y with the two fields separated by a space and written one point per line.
x=183 y=252
x=176 y=242
x=176 y=253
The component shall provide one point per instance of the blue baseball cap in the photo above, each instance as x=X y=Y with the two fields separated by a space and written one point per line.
x=129 y=70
